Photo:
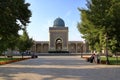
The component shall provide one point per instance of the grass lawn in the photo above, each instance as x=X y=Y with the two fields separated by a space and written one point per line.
x=112 y=60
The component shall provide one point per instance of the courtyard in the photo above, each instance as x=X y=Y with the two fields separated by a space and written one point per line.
x=58 y=68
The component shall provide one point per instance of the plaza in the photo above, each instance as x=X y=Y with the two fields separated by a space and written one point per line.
x=58 y=68
x=36 y=44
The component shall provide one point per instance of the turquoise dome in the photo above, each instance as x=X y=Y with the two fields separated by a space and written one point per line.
x=58 y=22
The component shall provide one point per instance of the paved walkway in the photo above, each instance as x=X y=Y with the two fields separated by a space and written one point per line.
x=58 y=68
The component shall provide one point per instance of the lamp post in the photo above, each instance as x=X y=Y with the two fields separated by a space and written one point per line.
x=106 y=40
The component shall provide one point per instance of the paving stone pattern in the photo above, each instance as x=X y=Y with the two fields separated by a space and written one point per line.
x=58 y=68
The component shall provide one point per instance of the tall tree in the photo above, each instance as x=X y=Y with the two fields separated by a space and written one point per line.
x=24 y=42
x=14 y=15
x=104 y=17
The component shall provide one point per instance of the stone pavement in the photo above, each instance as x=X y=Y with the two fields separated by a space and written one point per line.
x=58 y=68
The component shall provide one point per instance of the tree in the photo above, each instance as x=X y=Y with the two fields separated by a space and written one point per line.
x=88 y=30
x=24 y=42
x=104 y=17
x=14 y=15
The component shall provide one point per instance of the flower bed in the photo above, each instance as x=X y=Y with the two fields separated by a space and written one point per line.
x=86 y=57
x=13 y=60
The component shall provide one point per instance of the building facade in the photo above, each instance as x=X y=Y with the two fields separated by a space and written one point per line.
x=58 y=41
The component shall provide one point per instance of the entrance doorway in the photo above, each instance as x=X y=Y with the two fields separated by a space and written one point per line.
x=58 y=45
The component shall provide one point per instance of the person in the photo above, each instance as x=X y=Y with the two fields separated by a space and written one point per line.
x=92 y=58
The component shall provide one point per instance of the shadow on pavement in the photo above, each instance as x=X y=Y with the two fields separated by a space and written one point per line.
x=9 y=73
x=57 y=68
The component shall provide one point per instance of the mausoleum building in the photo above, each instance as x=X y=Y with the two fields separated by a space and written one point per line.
x=58 y=41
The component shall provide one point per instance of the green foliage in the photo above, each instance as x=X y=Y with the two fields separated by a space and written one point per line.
x=24 y=42
x=100 y=20
x=112 y=60
x=14 y=14
x=112 y=44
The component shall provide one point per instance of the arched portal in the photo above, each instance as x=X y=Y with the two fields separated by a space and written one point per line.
x=58 y=44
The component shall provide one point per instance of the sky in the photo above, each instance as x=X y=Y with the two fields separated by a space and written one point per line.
x=44 y=12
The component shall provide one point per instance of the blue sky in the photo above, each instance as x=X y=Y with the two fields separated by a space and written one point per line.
x=44 y=12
